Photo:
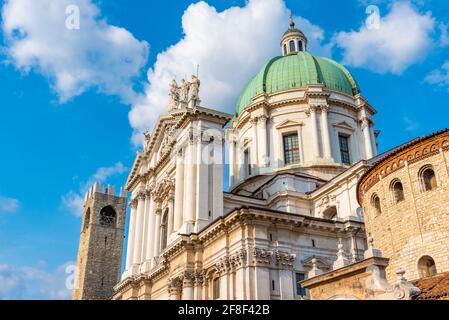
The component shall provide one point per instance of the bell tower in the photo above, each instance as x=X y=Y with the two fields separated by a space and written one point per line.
x=101 y=243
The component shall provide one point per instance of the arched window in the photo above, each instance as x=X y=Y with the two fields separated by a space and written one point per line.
x=330 y=213
x=292 y=46
x=164 y=230
x=426 y=267
x=248 y=164
x=376 y=204
x=428 y=179
x=216 y=288
x=397 y=190
x=108 y=216
x=285 y=49
x=86 y=219
x=300 y=46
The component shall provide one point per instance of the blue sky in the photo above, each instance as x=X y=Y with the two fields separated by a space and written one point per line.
x=59 y=133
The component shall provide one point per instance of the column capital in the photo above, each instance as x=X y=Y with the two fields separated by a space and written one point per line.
x=141 y=195
x=263 y=118
x=325 y=108
x=364 y=121
x=188 y=278
x=148 y=193
x=254 y=120
x=133 y=203
x=313 y=108
x=175 y=286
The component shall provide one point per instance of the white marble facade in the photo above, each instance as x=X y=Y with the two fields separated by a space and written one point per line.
x=298 y=212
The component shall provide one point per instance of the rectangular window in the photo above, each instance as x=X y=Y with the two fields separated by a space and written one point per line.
x=300 y=291
x=344 y=149
x=291 y=149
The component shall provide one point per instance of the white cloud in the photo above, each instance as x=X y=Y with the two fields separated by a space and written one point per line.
x=404 y=38
x=8 y=205
x=439 y=77
x=74 y=200
x=98 y=55
x=444 y=34
x=410 y=125
x=33 y=283
x=230 y=47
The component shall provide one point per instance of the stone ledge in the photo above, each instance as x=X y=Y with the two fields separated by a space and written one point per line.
x=335 y=275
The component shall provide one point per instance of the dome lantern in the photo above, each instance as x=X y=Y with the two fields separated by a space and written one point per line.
x=293 y=40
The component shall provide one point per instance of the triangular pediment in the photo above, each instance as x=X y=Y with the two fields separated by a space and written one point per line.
x=322 y=263
x=344 y=125
x=289 y=124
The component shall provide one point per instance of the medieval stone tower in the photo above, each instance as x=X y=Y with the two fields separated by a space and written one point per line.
x=101 y=243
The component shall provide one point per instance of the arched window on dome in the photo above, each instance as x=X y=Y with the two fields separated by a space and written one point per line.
x=285 y=49
x=300 y=45
x=375 y=202
x=397 y=190
x=108 y=217
x=428 y=179
x=292 y=46
x=426 y=267
x=247 y=162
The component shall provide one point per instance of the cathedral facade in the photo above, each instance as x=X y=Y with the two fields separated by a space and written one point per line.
x=297 y=146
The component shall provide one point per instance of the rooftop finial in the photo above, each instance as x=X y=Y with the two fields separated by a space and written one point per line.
x=292 y=22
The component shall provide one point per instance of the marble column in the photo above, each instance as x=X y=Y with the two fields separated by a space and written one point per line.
x=139 y=229
x=179 y=192
x=366 y=127
x=131 y=235
x=146 y=221
x=254 y=148
x=202 y=186
x=286 y=284
x=241 y=162
x=174 y=289
x=190 y=188
x=171 y=208
x=217 y=179
x=314 y=127
x=157 y=233
x=150 y=232
x=325 y=132
x=187 y=287
x=373 y=140
x=232 y=173
x=262 y=135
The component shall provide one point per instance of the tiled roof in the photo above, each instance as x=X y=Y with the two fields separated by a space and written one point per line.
x=433 y=288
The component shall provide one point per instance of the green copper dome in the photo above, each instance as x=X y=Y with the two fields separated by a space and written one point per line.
x=297 y=71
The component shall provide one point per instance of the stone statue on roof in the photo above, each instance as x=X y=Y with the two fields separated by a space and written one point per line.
x=184 y=91
x=195 y=89
x=174 y=95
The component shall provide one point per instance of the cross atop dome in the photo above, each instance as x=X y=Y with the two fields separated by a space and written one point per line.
x=293 y=40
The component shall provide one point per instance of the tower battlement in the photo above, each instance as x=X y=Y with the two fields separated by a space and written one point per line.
x=109 y=190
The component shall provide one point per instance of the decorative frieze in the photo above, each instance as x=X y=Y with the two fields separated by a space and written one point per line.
x=284 y=259
x=262 y=256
